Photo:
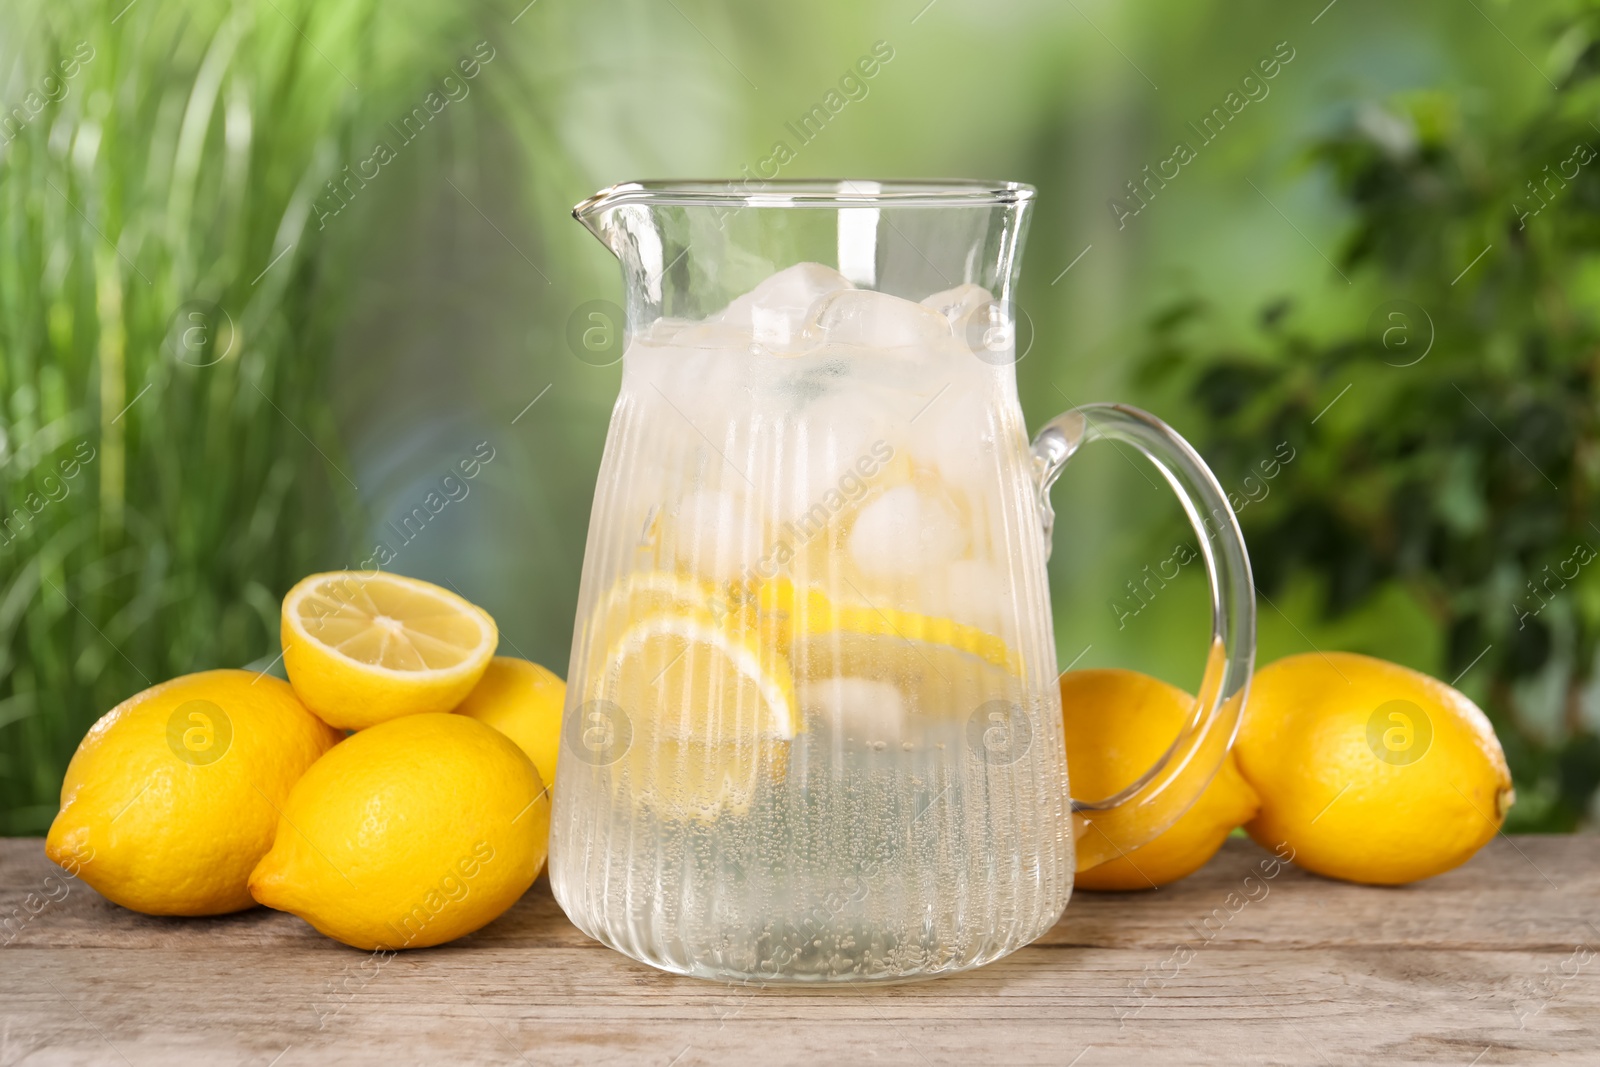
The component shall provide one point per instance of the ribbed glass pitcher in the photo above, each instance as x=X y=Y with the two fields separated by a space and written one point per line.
x=813 y=731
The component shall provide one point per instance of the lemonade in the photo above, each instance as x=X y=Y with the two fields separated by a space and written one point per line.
x=812 y=725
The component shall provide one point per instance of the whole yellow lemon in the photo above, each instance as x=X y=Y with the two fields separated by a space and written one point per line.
x=1118 y=723
x=1369 y=771
x=173 y=796
x=411 y=833
x=523 y=701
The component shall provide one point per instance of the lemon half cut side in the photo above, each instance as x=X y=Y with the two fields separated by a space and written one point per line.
x=363 y=647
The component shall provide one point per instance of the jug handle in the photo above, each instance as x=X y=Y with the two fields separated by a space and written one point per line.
x=1107 y=828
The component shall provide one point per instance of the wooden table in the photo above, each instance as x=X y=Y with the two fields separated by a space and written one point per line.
x=1498 y=962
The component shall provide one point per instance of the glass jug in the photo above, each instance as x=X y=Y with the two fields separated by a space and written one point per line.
x=813 y=730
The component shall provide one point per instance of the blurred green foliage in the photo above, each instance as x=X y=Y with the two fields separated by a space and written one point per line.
x=168 y=454
x=1450 y=444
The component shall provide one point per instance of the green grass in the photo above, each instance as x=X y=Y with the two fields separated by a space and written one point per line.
x=176 y=166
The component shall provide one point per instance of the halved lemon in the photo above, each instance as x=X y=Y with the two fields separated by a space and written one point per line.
x=363 y=647
x=710 y=710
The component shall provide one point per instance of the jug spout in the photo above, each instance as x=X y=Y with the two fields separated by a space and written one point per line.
x=640 y=225
x=622 y=216
x=595 y=214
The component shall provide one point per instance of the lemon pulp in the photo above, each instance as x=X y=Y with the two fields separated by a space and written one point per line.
x=365 y=647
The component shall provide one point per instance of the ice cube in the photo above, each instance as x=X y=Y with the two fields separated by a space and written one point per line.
x=955 y=433
x=979 y=320
x=906 y=532
x=861 y=710
x=834 y=444
x=970 y=591
x=866 y=319
x=957 y=304
x=718 y=533
x=775 y=311
x=678 y=333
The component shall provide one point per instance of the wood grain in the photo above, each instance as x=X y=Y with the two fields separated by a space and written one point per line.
x=1497 y=962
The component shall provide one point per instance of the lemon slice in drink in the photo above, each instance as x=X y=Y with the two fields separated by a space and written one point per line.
x=654 y=592
x=362 y=647
x=790 y=614
x=781 y=611
x=912 y=628
x=942 y=669
x=645 y=595
x=710 y=709
x=764 y=611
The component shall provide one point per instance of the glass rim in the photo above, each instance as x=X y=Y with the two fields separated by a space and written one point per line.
x=807 y=192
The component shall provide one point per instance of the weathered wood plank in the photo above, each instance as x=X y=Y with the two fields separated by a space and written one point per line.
x=1533 y=893
x=1496 y=962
